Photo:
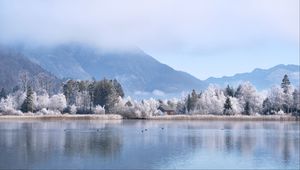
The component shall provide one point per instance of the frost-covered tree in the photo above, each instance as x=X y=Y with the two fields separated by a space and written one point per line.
x=276 y=97
x=83 y=102
x=211 y=101
x=237 y=108
x=45 y=82
x=124 y=107
x=57 y=102
x=249 y=98
x=41 y=101
x=8 y=106
x=180 y=107
x=99 y=110
x=147 y=108
x=24 y=79
x=143 y=109
x=73 y=109
x=296 y=102
x=288 y=94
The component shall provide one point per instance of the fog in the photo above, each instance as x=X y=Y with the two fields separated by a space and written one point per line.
x=162 y=28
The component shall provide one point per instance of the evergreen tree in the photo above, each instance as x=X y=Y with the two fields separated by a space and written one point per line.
x=15 y=89
x=105 y=94
x=118 y=88
x=296 y=102
x=3 y=94
x=188 y=103
x=288 y=96
x=285 y=84
x=267 y=106
x=67 y=90
x=237 y=94
x=82 y=86
x=194 y=98
x=91 y=88
x=227 y=107
x=191 y=101
x=229 y=91
x=27 y=105
x=247 y=108
x=70 y=88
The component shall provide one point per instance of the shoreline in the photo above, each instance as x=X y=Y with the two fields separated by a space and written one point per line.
x=165 y=117
x=61 y=117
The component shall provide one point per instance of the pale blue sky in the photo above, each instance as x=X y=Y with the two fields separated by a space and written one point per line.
x=202 y=37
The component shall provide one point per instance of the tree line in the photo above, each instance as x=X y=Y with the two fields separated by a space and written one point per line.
x=245 y=99
x=107 y=96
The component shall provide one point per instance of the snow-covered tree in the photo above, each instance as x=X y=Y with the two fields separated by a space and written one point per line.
x=211 y=101
x=24 y=79
x=57 y=102
x=124 y=107
x=8 y=106
x=276 y=97
x=135 y=109
x=249 y=98
x=99 y=110
x=73 y=109
x=237 y=108
x=42 y=101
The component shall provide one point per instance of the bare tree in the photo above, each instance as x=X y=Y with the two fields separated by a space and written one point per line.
x=24 y=79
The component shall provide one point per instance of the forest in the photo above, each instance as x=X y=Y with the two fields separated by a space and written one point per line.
x=37 y=95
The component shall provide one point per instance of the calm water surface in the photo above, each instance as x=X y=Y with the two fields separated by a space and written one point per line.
x=165 y=144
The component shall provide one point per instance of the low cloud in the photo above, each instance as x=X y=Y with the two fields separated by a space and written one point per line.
x=155 y=25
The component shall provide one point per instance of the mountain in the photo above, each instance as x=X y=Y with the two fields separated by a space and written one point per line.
x=13 y=63
x=261 y=78
x=138 y=73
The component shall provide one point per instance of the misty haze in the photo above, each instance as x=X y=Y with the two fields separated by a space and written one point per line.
x=133 y=84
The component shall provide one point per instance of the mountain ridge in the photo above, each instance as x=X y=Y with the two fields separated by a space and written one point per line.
x=261 y=78
x=138 y=72
x=13 y=64
x=133 y=68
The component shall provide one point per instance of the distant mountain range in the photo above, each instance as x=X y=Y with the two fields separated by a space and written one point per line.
x=140 y=74
x=261 y=78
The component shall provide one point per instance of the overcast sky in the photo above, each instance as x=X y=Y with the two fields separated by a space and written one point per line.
x=202 y=37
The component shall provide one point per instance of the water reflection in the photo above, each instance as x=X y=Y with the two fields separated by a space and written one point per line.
x=165 y=144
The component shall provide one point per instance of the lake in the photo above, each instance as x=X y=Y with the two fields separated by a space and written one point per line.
x=139 y=144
